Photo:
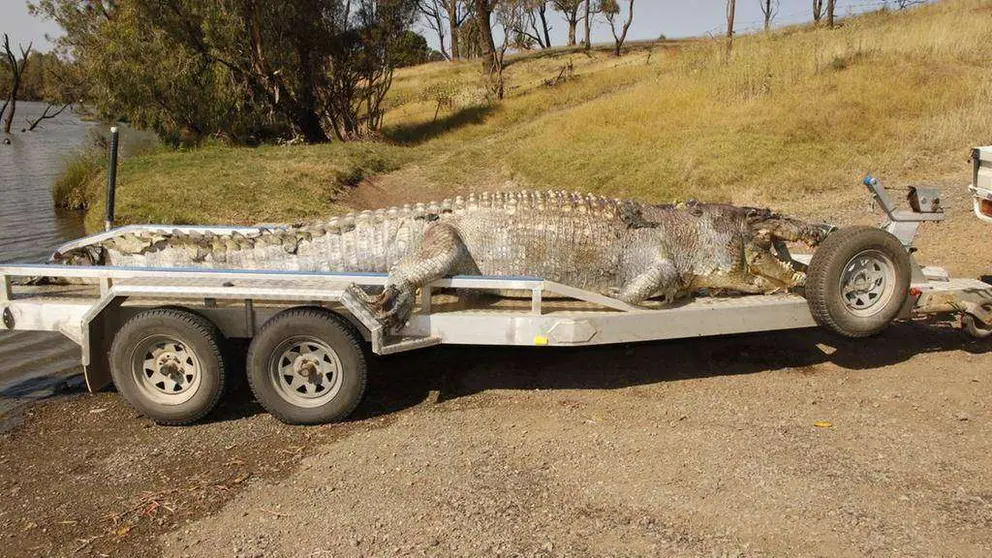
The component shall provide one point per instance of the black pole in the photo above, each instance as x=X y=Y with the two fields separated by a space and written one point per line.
x=108 y=222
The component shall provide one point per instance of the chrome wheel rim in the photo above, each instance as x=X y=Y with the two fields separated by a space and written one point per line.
x=305 y=371
x=867 y=284
x=166 y=370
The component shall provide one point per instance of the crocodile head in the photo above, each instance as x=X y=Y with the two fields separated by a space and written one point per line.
x=81 y=256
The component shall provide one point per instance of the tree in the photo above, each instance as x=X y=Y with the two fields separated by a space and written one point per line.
x=313 y=68
x=492 y=59
x=56 y=83
x=831 y=4
x=436 y=15
x=445 y=16
x=528 y=22
x=470 y=42
x=731 y=14
x=412 y=49
x=538 y=12
x=16 y=69
x=769 y=9
x=611 y=9
x=570 y=12
x=536 y=15
x=817 y=10
x=588 y=20
x=135 y=70
x=457 y=14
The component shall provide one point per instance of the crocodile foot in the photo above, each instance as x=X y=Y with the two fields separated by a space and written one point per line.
x=393 y=306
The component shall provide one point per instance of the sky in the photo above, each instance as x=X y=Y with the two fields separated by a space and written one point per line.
x=23 y=28
x=673 y=18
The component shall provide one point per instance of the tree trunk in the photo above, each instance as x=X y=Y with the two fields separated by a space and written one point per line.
x=588 y=37
x=12 y=108
x=491 y=64
x=831 y=4
x=544 y=25
x=817 y=10
x=572 y=25
x=483 y=18
x=453 y=29
x=619 y=39
x=16 y=71
x=731 y=14
x=310 y=128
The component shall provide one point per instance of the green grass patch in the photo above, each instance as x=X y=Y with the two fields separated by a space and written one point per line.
x=240 y=185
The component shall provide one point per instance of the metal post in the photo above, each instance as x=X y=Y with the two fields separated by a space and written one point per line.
x=108 y=222
x=5 y=291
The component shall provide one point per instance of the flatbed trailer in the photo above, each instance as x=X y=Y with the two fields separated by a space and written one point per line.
x=158 y=333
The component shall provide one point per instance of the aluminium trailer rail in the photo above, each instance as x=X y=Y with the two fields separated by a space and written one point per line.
x=239 y=302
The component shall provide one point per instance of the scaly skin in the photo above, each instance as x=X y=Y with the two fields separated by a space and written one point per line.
x=625 y=249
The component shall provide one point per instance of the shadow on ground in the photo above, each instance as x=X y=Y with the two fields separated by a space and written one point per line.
x=399 y=382
x=414 y=134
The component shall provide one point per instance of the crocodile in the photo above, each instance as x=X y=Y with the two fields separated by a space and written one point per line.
x=625 y=249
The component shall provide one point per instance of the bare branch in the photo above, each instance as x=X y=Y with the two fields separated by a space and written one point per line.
x=45 y=115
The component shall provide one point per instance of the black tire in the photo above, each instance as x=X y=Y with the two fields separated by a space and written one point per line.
x=326 y=379
x=197 y=348
x=869 y=309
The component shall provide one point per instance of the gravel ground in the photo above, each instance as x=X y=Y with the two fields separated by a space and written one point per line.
x=787 y=444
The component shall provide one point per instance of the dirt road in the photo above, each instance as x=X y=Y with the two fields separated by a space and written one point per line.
x=788 y=444
x=695 y=448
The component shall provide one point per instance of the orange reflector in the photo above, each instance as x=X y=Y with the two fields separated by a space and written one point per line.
x=985 y=207
x=915 y=291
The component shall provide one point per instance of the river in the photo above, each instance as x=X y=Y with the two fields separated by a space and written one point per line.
x=30 y=227
x=34 y=365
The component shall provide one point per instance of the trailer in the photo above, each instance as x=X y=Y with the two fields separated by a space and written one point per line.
x=160 y=336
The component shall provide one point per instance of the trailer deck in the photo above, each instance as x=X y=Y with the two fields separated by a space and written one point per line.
x=451 y=311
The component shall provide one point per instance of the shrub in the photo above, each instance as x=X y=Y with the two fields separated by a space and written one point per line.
x=78 y=185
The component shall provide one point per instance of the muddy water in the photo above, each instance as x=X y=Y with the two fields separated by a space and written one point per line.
x=34 y=365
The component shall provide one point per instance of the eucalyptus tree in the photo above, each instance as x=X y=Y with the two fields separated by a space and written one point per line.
x=240 y=68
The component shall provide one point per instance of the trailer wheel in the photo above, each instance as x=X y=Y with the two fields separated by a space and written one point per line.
x=858 y=281
x=168 y=365
x=306 y=366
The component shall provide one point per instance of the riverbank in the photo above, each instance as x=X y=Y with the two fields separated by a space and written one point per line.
x=802 y=112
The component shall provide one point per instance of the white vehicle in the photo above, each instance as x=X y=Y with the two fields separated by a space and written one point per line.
x=981 y=183
x=159 y=334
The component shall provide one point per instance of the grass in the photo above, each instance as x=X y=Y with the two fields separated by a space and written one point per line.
x=240 y=185
x=800 y=112
x=77 y=186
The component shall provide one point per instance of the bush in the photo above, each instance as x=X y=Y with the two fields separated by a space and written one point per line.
x=78 y=185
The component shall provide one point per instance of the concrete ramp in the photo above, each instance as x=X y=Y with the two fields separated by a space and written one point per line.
x=33 y=366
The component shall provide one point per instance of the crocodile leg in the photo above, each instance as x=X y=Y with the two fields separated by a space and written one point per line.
x=660 y=279
x=440 y=254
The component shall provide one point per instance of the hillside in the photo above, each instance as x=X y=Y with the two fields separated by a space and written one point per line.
x=801 y=112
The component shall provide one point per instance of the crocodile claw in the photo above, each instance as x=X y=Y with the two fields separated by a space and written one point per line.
x=392 y=307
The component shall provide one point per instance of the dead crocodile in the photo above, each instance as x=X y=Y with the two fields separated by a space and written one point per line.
x=625 y=249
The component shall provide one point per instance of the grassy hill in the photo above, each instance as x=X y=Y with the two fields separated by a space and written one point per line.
x=791 y=116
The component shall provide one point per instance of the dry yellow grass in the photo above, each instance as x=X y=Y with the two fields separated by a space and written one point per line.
x=798 y=112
